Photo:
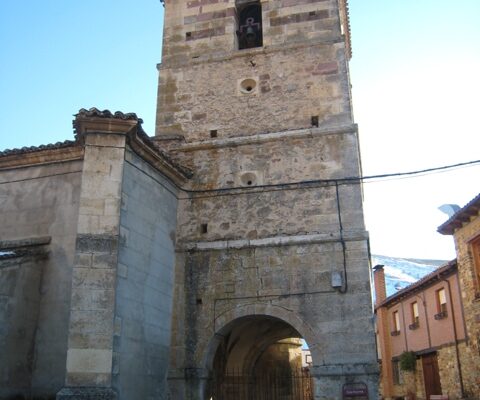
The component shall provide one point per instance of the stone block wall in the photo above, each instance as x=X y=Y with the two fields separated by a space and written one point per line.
x=20 y=284
x=448 y=369
x=266 y=220
x=90 y=333
x=293 y=277
x=206 y=84
x=202 y=28
x=288 y=89
x=470 y=290
x=412 y=383
x=252 y=211
x=217 y=286
x=145 y=274
x=40 y=200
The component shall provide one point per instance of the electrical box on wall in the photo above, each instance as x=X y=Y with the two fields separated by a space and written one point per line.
x=337 y=279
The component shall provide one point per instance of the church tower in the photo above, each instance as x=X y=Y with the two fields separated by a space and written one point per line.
x=271 y=248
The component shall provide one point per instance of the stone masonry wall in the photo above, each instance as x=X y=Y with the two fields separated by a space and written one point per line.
x=252 y=212
x=413 y=383
x=20 y=281
x=219 y=285
x=203 y=78
x=294 y=277
x=448 y=369
x=471 y=304
x=290 y=87
x=262 y=225
x=42 y=201
x=144 y=282
x=205 y=28
x=92 y=306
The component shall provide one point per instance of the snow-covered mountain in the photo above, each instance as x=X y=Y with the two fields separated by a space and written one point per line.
x=401 y=272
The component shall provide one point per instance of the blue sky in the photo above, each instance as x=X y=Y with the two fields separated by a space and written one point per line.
x=415 y=91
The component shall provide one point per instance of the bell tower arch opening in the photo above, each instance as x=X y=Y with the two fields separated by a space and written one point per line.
x=249 y=24
x=260 y=356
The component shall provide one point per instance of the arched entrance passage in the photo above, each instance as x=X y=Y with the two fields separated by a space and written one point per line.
x=259 y=357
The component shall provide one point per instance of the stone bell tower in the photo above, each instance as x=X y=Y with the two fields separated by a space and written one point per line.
x=254 y=97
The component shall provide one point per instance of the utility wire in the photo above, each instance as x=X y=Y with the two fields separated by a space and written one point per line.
x=219 y=192
x=330 y=182
x=418 y=172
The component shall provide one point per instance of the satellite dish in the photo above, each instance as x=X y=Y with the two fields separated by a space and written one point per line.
x=449 y=209
x=398 y=286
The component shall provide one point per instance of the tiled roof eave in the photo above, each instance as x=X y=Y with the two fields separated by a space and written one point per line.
x=461 y=217
x=446 y=270
x=177 y=169
x=33 y=149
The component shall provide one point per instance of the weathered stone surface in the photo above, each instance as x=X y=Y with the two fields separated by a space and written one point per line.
x=265 y=222
x=466 y=237
x=262 y=226
x=87 y=393
x=39 y=212
x=145 y=276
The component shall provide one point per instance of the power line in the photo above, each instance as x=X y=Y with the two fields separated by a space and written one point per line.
x=418 y=172
x=226 y=191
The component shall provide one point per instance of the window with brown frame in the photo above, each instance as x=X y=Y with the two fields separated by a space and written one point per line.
x=441 y=304
x=415 y=316
x=396 y=324
x=475 y=247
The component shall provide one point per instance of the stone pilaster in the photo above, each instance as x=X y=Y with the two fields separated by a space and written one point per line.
x=92 y=307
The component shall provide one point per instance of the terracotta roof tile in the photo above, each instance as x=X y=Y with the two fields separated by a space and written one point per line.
x=149 y=142
x=31 y=149
x=95 y=112
x=445 y=269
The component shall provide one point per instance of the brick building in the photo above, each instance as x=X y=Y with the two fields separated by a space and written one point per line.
x=436 y=318
x=425 y=318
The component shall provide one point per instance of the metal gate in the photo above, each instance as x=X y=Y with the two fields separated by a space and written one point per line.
x=269 y=385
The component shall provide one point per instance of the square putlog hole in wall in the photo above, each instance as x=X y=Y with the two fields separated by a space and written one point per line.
x=213 y=133
x=203 y=228
x=314 y=121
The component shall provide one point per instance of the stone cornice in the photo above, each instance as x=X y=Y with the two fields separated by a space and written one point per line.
x=345 y=21
x=159 y=160
x=128 y=124
x=209 y=58
x=41 y=155
x=274 y=241
x=264 y=137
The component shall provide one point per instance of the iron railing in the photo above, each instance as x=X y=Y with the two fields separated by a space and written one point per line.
x=269 y=385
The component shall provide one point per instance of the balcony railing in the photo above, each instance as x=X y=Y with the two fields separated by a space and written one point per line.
x=441 y=315
x=414 y=326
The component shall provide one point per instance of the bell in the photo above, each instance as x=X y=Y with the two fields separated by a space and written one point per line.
x=251 y=35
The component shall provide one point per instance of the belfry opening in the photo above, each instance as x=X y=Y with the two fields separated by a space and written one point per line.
x=260 y=357
x=249 y=24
